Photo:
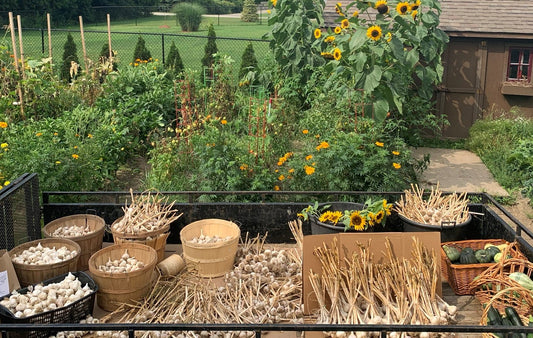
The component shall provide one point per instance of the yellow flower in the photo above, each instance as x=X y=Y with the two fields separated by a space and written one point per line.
x=38 y=134
x=291 y=170
x=308 y=157
x=322 y=145
x=281 y=177
x=309 y=170
x=274 y=2
x=90 y=135
x=75 y=147
x=394 y=152
x=268 y=12
x=55 y=134
x=403 y=8
x=224 y=121
x=135 y=64
x=414 y=13
x=317 y=33
x=415 y=5
x=327 y=55
x=396 y=165
x=75 y=156
x=379 y=216
x=330 y=216
x=305 y=131
x=345 y=23
x=382 y=7
x=243 y=166
x=276 y=188
x=337 y=54
x=357 y=221
x=3 y=124
x=337 y=30
x=388 y=36
x=58 y=162
x=6 y=183
x=379 y=144
x=356 y=13
x=329 y=39
x=3 y=145
x=374 y=33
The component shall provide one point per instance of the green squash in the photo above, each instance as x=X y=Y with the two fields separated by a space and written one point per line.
x=482 y=256
x=492 y=251
x=451 y=252
x=467 y=256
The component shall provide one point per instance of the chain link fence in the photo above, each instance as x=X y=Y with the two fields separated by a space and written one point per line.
x=191 y=48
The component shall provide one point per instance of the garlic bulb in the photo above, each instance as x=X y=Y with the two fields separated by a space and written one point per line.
x=203 y=239
x=72 y=231
x=46 y=297
x=126 y=263
x=41 y=255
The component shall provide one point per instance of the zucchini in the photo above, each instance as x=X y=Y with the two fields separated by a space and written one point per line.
x=493 y=316
x=530 y=324
x=513 y=316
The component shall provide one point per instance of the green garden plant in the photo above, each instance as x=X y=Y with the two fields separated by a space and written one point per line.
x=70 y=60
x=188 y=15
x=174 y=62
x=249 y=11
x=141 y=53
x=210 y=48
x=249 y=61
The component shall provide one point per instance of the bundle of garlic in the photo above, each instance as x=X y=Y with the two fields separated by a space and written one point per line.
x=126 y=263
x=146 y=214
x=41 y=298
x=203 y=239
x=72 y=231
x=41 y=255
x=436 y=209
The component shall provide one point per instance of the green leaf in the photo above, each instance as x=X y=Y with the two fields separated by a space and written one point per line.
x=358 y=39
x=412 y=58
x=397 y=48
x=372 y=80
x=381 y=108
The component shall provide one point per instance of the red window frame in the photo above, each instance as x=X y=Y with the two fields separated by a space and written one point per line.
x=520 y=64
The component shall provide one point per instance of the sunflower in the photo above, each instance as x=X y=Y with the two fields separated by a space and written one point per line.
x=345 y=23
x=379 y=216
x=414 y=13
x=357 y=221
x=382 y=7
x=274 y=2
x=330 y=216
x=337 y=30
x=317 y=33
x=327 y=55
x=337 y=54
x=415 y=5
x=330 y=38
x=374 y=33
x=388 y=36
x=355 y=14
x=402 y=8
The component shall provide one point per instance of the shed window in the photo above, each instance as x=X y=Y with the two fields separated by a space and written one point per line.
x=519 y=68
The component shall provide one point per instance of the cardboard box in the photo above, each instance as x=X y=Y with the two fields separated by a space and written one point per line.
x=8 y=277
x=401 y=243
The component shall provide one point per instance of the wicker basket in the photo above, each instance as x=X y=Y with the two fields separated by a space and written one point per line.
x=459 y=276
x=211 y=259
x=500 y=298
x=158 y=243
x=71 y=313
x=115 y=288
x=89 y=243
x=32 y=274
x=140 y=235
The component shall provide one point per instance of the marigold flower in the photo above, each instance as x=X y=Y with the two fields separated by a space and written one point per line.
x=322 y=145
x=281 y=177
x=224 y=121
x=3 y=124
x=3 y=145
x=276 y=188
x=38 y=134
x=243 y=166
x=317 y=33
x=395 y=152
x=75 y=156
x=305 y=131
x=379 y=144
x=396 y=165
x=374 y=33
x=308 y=157
x=55 y=134
x=309 y=170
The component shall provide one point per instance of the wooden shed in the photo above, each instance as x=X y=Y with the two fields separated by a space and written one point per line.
x=487 y=63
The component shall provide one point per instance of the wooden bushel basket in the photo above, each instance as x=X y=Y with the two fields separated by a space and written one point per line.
x=116 y=288
x=33 y=274
x=89 y=243
x=210 y=259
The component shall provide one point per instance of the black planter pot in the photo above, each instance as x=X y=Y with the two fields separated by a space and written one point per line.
x=320 y=228
x=448 y=233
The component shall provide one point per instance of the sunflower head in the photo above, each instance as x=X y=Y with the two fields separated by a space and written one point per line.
x=415 y=5
x=382 y=7
x=374 y=33
x=317 y=33
x=345 y=23
x=357 y=221
x=403 y=8
x=379 y=216
x=338 y=30
x=337 y=54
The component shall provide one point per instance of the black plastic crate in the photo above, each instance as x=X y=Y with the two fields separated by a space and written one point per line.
x=71 y=313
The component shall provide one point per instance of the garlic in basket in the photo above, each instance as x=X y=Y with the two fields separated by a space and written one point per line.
x=41 y=298
x=126 y=263
x=72 y=231
x=41 y=255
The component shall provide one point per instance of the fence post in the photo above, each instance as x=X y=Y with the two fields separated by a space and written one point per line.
x=163 y=47
x=42 y=40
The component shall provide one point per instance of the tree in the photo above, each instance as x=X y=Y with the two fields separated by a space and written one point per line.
x=174 y=62
x=141 y=52
x=70 y=59
x=188 y=16
x=249 y=61
x=249 y=11
x=104 y=55
x=210 y=48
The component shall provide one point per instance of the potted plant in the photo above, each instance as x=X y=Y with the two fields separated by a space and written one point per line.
x=346 y=216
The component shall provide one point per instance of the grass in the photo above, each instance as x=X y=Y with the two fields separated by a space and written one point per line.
x=230 y=34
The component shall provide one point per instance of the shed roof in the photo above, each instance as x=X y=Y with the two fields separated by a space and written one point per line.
x=480 y=18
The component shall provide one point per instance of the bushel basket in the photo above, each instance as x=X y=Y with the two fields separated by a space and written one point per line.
x=459 y=276
x=71 y=313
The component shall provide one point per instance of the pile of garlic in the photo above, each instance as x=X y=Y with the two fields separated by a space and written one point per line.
x=126 y=263
x=41 y=255
x=41 y=298
x=203 y=239
x=72 y=231
x=90 y=320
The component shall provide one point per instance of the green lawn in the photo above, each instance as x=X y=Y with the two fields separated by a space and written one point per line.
x=231 y=39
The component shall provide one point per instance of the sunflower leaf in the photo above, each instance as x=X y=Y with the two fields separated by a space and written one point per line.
x=381 y=108
x=358 y=39
x=372 y=80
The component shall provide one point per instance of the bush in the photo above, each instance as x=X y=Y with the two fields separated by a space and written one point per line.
x=210 y=48
x=141 y=53
x=104 y=55
x=249 y=11
x=69 y=56
x=249 y=61
x=174 y=62
x=188 y=16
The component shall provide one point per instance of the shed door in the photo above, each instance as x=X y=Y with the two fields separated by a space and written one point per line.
x=460 y=97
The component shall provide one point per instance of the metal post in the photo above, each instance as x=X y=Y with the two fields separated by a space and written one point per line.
x=163 y=47
x=42 y=40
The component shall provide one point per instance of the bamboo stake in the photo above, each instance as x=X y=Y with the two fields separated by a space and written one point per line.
x=15 y=56
x=19 y=24
x=13 y=41
x=83 y=46
x=109 y=38
x=49 y=37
